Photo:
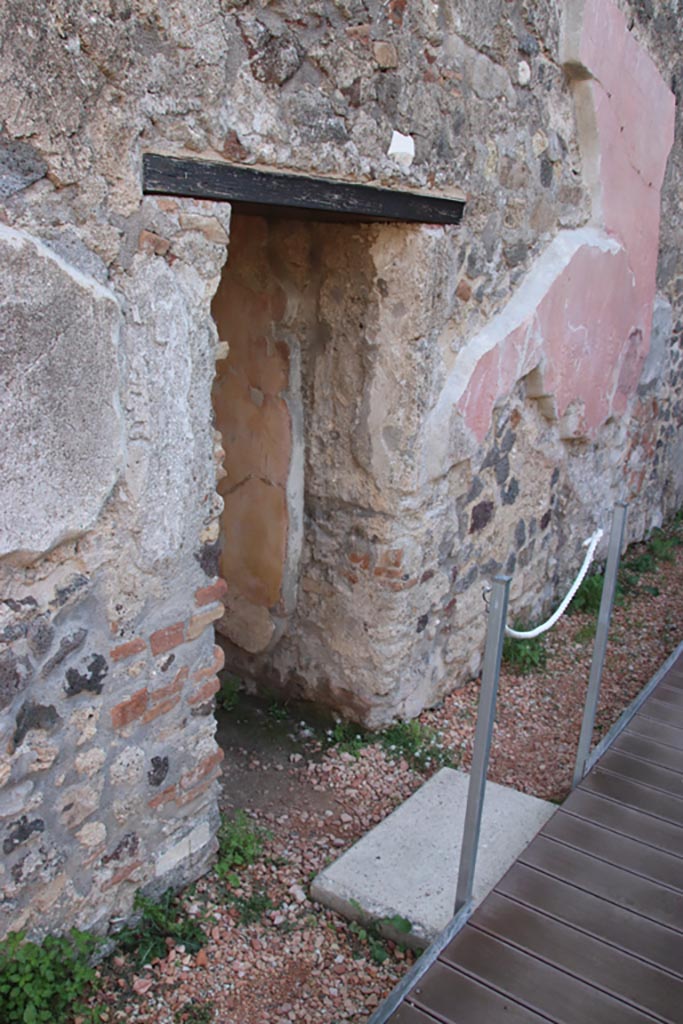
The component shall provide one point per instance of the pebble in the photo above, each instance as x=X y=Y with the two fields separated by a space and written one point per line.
x=300 y=962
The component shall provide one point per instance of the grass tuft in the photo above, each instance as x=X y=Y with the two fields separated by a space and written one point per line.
x=524 y=656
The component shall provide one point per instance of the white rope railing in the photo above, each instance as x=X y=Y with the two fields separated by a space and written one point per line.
x=592 y=543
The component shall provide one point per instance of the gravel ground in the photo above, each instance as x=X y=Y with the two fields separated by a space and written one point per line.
x=298 y=962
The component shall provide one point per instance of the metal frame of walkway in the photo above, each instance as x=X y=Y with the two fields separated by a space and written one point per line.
x=587 y=926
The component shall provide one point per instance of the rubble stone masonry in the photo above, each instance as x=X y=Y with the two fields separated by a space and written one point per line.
x=406 y=409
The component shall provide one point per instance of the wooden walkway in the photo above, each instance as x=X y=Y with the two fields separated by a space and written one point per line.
x=587 y=926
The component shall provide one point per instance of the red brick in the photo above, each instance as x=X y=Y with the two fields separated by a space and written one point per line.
x=200 y=621
x=396 y=585
x=175 y=687
x=121 y=875
x=215 y=666
x=123 y=651
x=164 y=797
x=193 y=794
x=168 y=638
x=392 y=574
x=129 y=710
x=160 y=709
x=207 y=595
x=205 y=766
x=205 y=692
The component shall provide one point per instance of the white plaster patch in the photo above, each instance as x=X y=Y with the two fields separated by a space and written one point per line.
x=191 y=844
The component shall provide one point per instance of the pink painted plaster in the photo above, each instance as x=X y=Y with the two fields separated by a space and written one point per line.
x=589 y=333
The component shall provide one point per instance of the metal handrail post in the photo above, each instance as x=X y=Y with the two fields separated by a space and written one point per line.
x=495 y=634
x=609 y=589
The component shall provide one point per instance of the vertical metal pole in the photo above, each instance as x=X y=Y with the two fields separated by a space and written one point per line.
x=609 y=588
x=495 y=635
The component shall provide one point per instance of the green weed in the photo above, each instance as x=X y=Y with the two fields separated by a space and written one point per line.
x=240 y=843
x=641 y=563
x=378 y=951
x=195 y=1011
x=145 y=940
x=586 y=632
x=277 y=712
x=348 y=738
x=45 y=983
x=524 y=656
x=251 y=908
x=228 y=697
x=662 y=547
x=371 y=936
x=417 y=744
x=589 y=595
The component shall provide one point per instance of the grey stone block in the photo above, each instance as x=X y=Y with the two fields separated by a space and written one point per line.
x=408 y=864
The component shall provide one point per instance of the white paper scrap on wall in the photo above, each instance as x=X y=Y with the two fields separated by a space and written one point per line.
x=402 y=149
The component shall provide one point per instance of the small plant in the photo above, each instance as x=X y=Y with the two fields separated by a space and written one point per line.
x=45 y=983
x=662 y=547
x=195 y=1011
x=398 y=923
x=251 y=908
x=277 y=712
x=146 y=939
x=375 y=943
x=586 y=632
x=228 y=697
x=240 y=843
x=524 y=656
x=371 y=936
x=641 y=563
x=348 y=738
x=589 y=595
x=417 y=744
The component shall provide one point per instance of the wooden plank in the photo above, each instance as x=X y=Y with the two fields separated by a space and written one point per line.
x=650 y=750
x=453 y=996
x=539 y=986
x=618 y=926
x=626 y=820
x=660 y=713
x=658 y=731
x=651 y=801
x=607 y=881
x=608 y=969
x=644 y=773
x=613 y=848
x=410 y=1015
x=668 y=695
x=259 y=191
x=674 y=676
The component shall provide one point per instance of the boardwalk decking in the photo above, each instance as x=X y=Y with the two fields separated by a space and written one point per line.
x=587 y=926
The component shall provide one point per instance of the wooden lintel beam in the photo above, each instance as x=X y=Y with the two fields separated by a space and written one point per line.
x=258 y=191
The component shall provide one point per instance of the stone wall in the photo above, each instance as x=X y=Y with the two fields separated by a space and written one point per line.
x=108 y=666
x=442 y=426
x=466 y=412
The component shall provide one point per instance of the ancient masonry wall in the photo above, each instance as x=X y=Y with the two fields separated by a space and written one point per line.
x=109 y=519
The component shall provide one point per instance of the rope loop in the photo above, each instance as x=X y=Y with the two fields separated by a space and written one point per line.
x=592 y=543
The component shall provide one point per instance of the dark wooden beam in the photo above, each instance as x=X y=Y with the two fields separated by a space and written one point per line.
x=272 y=193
